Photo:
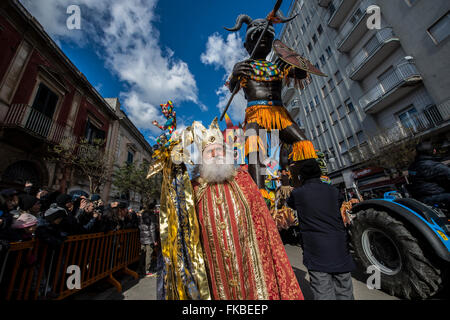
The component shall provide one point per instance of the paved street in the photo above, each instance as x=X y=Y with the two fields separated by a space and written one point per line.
x=360 y=289
x=145 y=288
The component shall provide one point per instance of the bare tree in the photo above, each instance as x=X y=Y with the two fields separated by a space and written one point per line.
x=88 y=158
x=92 y=161
x=133 y=178
x=392 y=149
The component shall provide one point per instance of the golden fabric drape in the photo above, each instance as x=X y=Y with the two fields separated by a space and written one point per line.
x=179 y=232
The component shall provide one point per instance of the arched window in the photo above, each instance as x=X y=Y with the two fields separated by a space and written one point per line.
x=20 y=172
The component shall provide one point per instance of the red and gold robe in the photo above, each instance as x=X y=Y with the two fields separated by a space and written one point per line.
x=245 y=257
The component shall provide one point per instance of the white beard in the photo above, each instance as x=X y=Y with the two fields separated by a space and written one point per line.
x=217 y=171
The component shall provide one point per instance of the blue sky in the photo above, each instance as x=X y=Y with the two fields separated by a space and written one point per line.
x=148 y=51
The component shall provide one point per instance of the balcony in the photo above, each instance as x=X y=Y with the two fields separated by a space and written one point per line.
x=324 y=3
x=403 y=79
x=431 y=117
x=354 y=29
x=294 y=110
x=287 y=93
x=338 y=11
x=374 y=52
x=434 y=117
x=35 y=123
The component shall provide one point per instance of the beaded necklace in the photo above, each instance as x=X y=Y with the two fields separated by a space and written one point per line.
x=265 y=71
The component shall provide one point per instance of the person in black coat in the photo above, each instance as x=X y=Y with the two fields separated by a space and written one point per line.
x=132 y=220
x=87 y=217
x=6 y=231
x=117 y=218
x=8 y=203
x=9 y=200
x=110 y=219
x=324 y=237
x=50 y=227
x=66 y=202
x=429 y=179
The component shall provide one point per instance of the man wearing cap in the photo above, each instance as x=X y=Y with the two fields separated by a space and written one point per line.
x=86 y=217
x=50 y=228
x=325 y=240
x=65 y=201
x=29 y=203
x=116 y=218
x=429 y=179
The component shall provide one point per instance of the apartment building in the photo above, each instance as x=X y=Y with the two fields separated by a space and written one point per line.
x=391 y=79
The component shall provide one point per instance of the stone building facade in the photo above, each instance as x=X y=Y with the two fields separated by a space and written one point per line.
x=44 y=100
x=128 y=146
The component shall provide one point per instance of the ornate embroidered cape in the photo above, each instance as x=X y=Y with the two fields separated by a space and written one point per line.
x=244 y=255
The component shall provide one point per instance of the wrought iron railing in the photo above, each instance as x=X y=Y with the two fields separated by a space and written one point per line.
x=369 y=49
x=285 y=90
x=430 y=118
x=350 y=25
x=335 y=4
x=36 y=123
x=401 y=73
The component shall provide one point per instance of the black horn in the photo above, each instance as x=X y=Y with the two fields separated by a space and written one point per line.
x=239 y=21
x=283 y=19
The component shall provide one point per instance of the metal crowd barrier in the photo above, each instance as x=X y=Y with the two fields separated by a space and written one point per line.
x=53 y=272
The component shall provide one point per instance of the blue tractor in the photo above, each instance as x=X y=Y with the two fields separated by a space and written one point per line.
x=407 y=240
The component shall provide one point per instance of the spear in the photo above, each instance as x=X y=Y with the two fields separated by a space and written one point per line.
x=237 y=87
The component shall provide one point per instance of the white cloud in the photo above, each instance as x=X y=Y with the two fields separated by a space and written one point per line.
x=52 y=15
x=127 y=41
x=236 y=111
x=224 y=54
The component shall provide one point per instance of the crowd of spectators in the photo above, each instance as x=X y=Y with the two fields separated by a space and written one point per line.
x=52 y=216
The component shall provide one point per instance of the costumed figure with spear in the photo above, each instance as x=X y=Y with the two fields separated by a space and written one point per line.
x=262 y=82
x=190 y=265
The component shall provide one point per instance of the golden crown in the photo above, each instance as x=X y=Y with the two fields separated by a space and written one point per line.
x=204 y=137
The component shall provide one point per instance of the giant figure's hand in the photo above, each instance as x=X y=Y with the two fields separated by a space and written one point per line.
x=155 y=123
x=242 y=68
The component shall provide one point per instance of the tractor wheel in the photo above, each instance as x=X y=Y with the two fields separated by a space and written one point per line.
x=407 y=271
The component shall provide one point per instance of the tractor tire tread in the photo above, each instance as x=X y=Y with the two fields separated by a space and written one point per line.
x=421 y=278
